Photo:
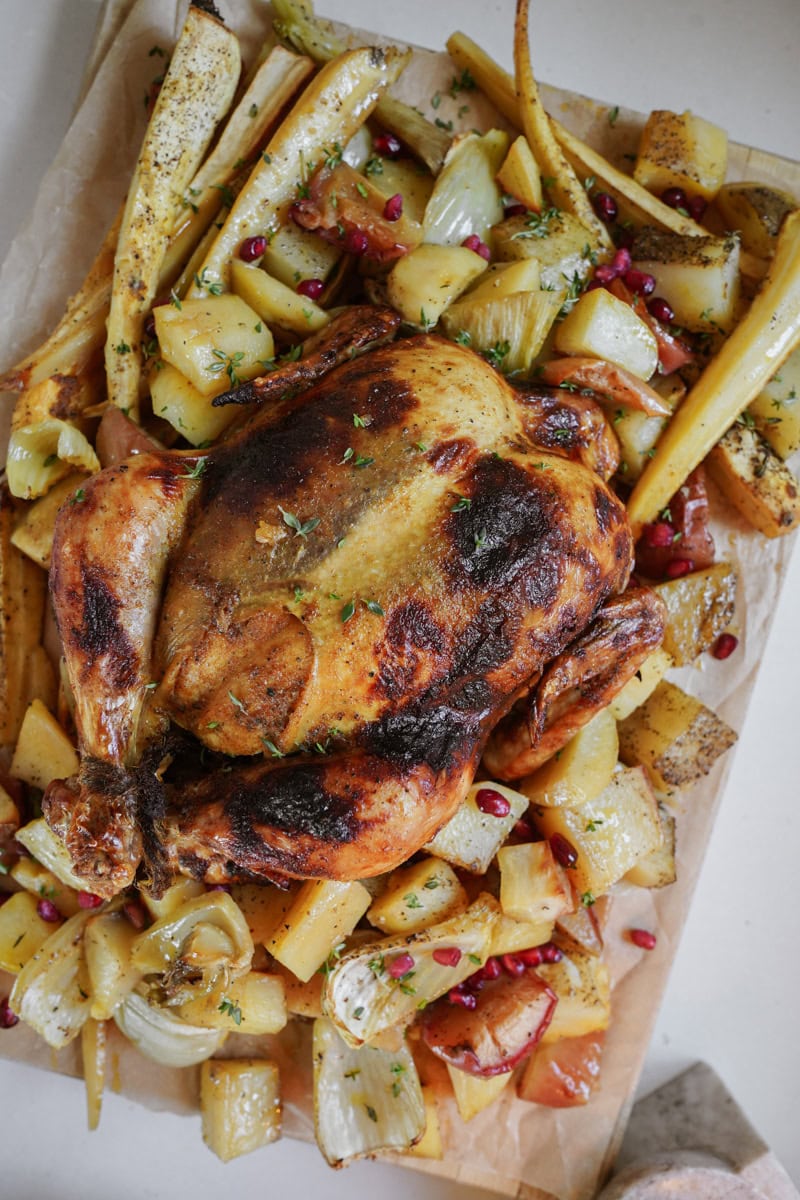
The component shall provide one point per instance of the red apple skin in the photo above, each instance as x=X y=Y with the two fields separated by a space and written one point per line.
x=689 y=517
x=563 y=1074
x=510 y=1016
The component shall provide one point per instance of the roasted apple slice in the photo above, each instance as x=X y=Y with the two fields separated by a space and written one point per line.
x=508 y=1018
x=565 y=1073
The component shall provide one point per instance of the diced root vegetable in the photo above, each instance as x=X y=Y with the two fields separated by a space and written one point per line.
x=240 y=1105
x=580 y=771
x=321 y=914
x=700 y=606
x=471 y=838
x=756 y=481
x=255 y=1004
x=215 y=343
x=264 y=908
x=640 y=685
x=610 y=834
x=601 y=326
x=418 y=896
x=179 y=892
x=473 y=1094
x=657 y=869
x=43 y=751
x=520 y=176
x=675 y=736
x=430 y=1144
x=533 y=888
x=681 y=150
x=108 y=942
x=776 y=409
x=697 y=276
x=22 y=931
x=582 y=986
x=555 y=239
x=750 y=356
x=176 y=400
x=276 y=303
x=424 y=283
x=755 y=211
x=510 y=331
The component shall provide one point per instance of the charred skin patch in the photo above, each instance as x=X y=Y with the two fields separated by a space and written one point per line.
x=100 y=634
x=511 y=531
x=292 y=799
x=441 y=737
x=170 y=479
x=412 y=643
x=452 y=455
x=276 y=457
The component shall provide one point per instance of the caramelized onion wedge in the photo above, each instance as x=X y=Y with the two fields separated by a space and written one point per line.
x=364 y=994
x=162 y=1036
x=609 y=382
x=47 y=994
x=364 y=1099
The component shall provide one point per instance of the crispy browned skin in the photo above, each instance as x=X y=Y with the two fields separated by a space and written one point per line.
x=578 y=683
x=444 y=560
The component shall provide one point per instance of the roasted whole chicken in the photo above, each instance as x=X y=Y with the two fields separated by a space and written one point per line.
x=289 y=652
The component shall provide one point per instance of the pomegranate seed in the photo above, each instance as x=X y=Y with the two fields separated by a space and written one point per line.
x=640 y=281
x=356 y=242
x=312 y=288
x=697 y=206
x=388 y=144
x=512 y=965
x=135 y=913
x=493 y=803
x=523 y=830
x=605 y=273
x=675 y=197
x=515 y=210
x=400 y=966
x=679 y=567
x=47 y=910
x=563 y=850
x=605 y=206
x=658 y=308
x=551 y=953
x=89 y=900
x=252 y=248
x=725 y=645
x=474 y=243
x=447 y=956
x=621 y=262
x=8 y=1019
x=643 y=939
x=465 y=999
x=491 y=969
x=393 y=208
x=531 y=957
x=659 y=534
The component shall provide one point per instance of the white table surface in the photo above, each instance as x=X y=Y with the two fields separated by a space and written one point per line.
x=733 y=995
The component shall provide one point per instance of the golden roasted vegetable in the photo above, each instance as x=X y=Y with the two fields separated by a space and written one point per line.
x=424 y=283
x=609 y=835
x=675 y=736
x=755 y=211
x=565 y=189
x=43 y=751
x=365 y=1099
x=48 y=993
x=697 y=276
x=29 y=874
x=602 y=326
x=22 y=931
x=580 y=771
x=33 y=534
x=93 y=1052
x=430 y=1144
x=254 y=1004
x=264 y=908
x=473 y=1094
x=418 y=896
x=681 y=150
x=558 y=242
x=520 y=177
x=699 y=607
x=240 y=1105
x=23 y=589
x=333 y=106
x=322 y=913
x=657 y=869
x=216 y=342
x=640 y=685
x=509 y=331
x=48 y=849
x=196 y=93
x=752 y=354
x=472 y=836
x=293 y=254
x=275 y=302
x=533 y=887
x=776 y=409
x=180 y=891
x=510 y=935
x=582 y=985
x=756 y=481
x=176 y=400
x=42 y=453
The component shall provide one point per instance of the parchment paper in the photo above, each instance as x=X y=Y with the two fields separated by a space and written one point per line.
x=514 y=1148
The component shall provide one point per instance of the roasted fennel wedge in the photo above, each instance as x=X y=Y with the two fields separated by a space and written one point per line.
x=364 y=1099
x=386 y=983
